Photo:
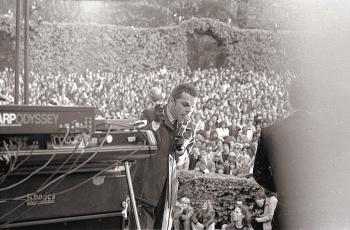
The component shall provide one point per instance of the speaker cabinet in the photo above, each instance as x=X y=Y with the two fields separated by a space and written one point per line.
x=100 y=195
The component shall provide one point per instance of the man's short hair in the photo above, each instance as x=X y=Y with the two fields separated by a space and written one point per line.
x=183 y=88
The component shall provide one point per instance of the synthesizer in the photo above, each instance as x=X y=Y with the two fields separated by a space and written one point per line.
x=102 y=147
x=28 y=119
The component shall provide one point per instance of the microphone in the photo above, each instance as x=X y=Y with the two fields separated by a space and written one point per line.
x=180 y=139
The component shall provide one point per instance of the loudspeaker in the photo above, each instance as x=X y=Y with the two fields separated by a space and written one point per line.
x=99 y=195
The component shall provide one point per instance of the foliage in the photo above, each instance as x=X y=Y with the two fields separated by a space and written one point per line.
x=137 y=13
x=76 y=47
x=223 y=190
x=258 y=14
x=246 y=49
x=69 y=48
x=7 y=41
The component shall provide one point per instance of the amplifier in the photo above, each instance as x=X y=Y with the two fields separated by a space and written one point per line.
x=104 y=194
x=28 y=119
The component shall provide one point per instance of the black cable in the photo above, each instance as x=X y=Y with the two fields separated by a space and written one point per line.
x=113 y=165
x=87 y=180
x=33 y=173
x=103 y=170
x=26 y=195
x=63 y=164
x=70 y=167
x=80 y=184
x=22 y=203
x=22 y=198
x=3 y=177
x=29 y=176
x=80 y=165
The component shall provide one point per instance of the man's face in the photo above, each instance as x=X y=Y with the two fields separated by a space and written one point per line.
x=183 y=106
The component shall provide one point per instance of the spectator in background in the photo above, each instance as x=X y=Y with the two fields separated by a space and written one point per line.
x=267 y=217
x=205 y=165
x=257 y=210
x=183 y=218
x=230 y=165
x=225 y=150
x=155 y=95
x=222 y=130
x=194 y=158
x=219 y=166
x=233 y=128
x=240 y=219
x=198 y=121
x=204 y=218
x=121 y=94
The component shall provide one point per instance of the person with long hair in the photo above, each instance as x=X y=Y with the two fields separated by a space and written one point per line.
x=204 y=219
x=240 y=219
x=270 y=204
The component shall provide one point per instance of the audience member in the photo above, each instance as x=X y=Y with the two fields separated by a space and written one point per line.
x=204 y=218
x=182 y=220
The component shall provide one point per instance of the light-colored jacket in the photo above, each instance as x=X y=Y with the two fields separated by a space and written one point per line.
x=269 y=210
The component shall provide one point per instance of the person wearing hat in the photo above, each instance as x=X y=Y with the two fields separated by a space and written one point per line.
x=183 y=220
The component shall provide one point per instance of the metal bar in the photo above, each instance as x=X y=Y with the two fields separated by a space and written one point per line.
x=132 y=195
x=57 y=220
x=17 y=70
x=26 y=52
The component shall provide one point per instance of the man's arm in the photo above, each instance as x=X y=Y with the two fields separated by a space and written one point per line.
x=262 y=170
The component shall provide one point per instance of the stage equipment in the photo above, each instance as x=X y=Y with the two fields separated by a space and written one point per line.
x=58 y=165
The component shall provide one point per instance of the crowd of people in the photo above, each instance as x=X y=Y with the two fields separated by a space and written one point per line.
x=232 y=109
x=260 y=216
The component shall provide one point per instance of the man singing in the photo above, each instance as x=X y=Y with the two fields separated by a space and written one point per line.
x=155 y=179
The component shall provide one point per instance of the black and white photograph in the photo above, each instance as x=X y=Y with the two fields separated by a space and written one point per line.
x=174 y=114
